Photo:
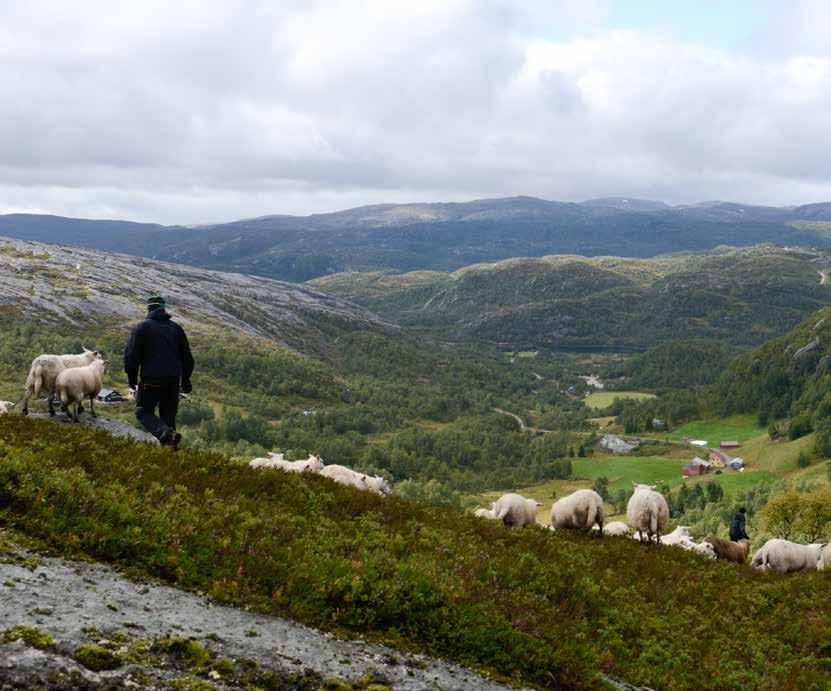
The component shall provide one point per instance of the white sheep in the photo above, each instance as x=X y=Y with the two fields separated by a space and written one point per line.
x=486 y=513
x=312 y=464
x=579 y=510
x=515 y=510
x=614 y=528
x=377 y=484
x=785 y=556
x=344 y=476
x=6 y=407
x=647 y=512
x=44 y=371
x=77 y=383
x=680 y=537
x=680 y=534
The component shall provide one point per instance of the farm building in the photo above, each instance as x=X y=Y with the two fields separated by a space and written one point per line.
x=729 y=445
x=697 y=466
x=736 y=463
x=718 y=459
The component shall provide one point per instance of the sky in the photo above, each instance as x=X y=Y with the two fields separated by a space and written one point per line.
x=205 y=111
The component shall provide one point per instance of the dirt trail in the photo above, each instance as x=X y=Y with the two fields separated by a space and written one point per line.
x=64 y=598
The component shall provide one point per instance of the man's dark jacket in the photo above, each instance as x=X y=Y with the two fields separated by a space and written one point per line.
x=737 y=528
x=159 y=349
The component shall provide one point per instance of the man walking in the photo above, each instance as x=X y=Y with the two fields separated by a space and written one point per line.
x=158 y=362
x=737 y=531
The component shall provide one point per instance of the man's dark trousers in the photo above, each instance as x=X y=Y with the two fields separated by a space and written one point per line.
x=163 y=393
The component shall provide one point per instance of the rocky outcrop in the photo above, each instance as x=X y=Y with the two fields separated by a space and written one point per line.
x=52 y=283
x=94 y=628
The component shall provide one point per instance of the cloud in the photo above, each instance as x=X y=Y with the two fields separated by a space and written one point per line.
x=205 y=111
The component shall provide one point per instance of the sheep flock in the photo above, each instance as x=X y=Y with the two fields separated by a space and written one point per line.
x=337 y=473
x=647 y=516
x=75 y=377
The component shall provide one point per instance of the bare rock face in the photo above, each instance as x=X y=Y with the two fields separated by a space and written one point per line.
x=114 y=427
x=51 y=283
x=129 y=627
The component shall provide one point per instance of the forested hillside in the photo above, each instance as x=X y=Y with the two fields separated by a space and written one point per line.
x=786 y=382
x=738 y=296
x=287 y=367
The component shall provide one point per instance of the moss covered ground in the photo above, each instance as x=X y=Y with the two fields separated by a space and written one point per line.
x=549 y=610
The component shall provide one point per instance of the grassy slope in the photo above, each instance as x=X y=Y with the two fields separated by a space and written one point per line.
x=739 y=428
x=532 y=607
x=603 y=399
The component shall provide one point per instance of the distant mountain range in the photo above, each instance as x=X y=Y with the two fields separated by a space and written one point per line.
x=439 y=236
x=739 y=296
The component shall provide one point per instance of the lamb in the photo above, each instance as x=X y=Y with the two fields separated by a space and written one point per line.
x=77 y=383
x=729 y=551
x=785 y=556
x=579 y=510
x=516 y=510
x=5 y=407
x=614 y=528
x=44 y=372
x=647 y=512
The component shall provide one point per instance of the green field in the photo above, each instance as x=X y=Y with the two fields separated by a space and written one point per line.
x=603 y=399
x=740 y=428
x=622 y=471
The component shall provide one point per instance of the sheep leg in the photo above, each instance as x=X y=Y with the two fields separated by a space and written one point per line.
x=75 y=413
x=600 y=523
x=91 y=407
x=51 y=405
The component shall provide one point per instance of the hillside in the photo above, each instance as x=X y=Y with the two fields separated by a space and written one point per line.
x=786 y=383
x=742 y=296
x=524 y=605
x=49 y=283
x=282 y=366
x=438 y=236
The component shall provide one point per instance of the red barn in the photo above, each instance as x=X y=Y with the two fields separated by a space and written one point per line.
x=695 y=467
x=729 y=445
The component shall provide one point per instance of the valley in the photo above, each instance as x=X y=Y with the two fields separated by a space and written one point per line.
x=362 y=378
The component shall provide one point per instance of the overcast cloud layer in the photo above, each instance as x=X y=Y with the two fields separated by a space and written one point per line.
x=210 y=110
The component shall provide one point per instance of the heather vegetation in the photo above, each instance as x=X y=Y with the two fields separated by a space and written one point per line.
x=532 y=607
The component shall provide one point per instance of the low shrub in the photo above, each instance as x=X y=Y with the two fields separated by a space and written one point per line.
x=549 y=610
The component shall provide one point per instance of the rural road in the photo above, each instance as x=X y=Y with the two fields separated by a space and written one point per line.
x=539 y=430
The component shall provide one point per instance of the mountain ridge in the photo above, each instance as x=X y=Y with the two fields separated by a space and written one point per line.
x=438 y=235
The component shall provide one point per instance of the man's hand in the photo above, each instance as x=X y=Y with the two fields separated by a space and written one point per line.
x=187 y=387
